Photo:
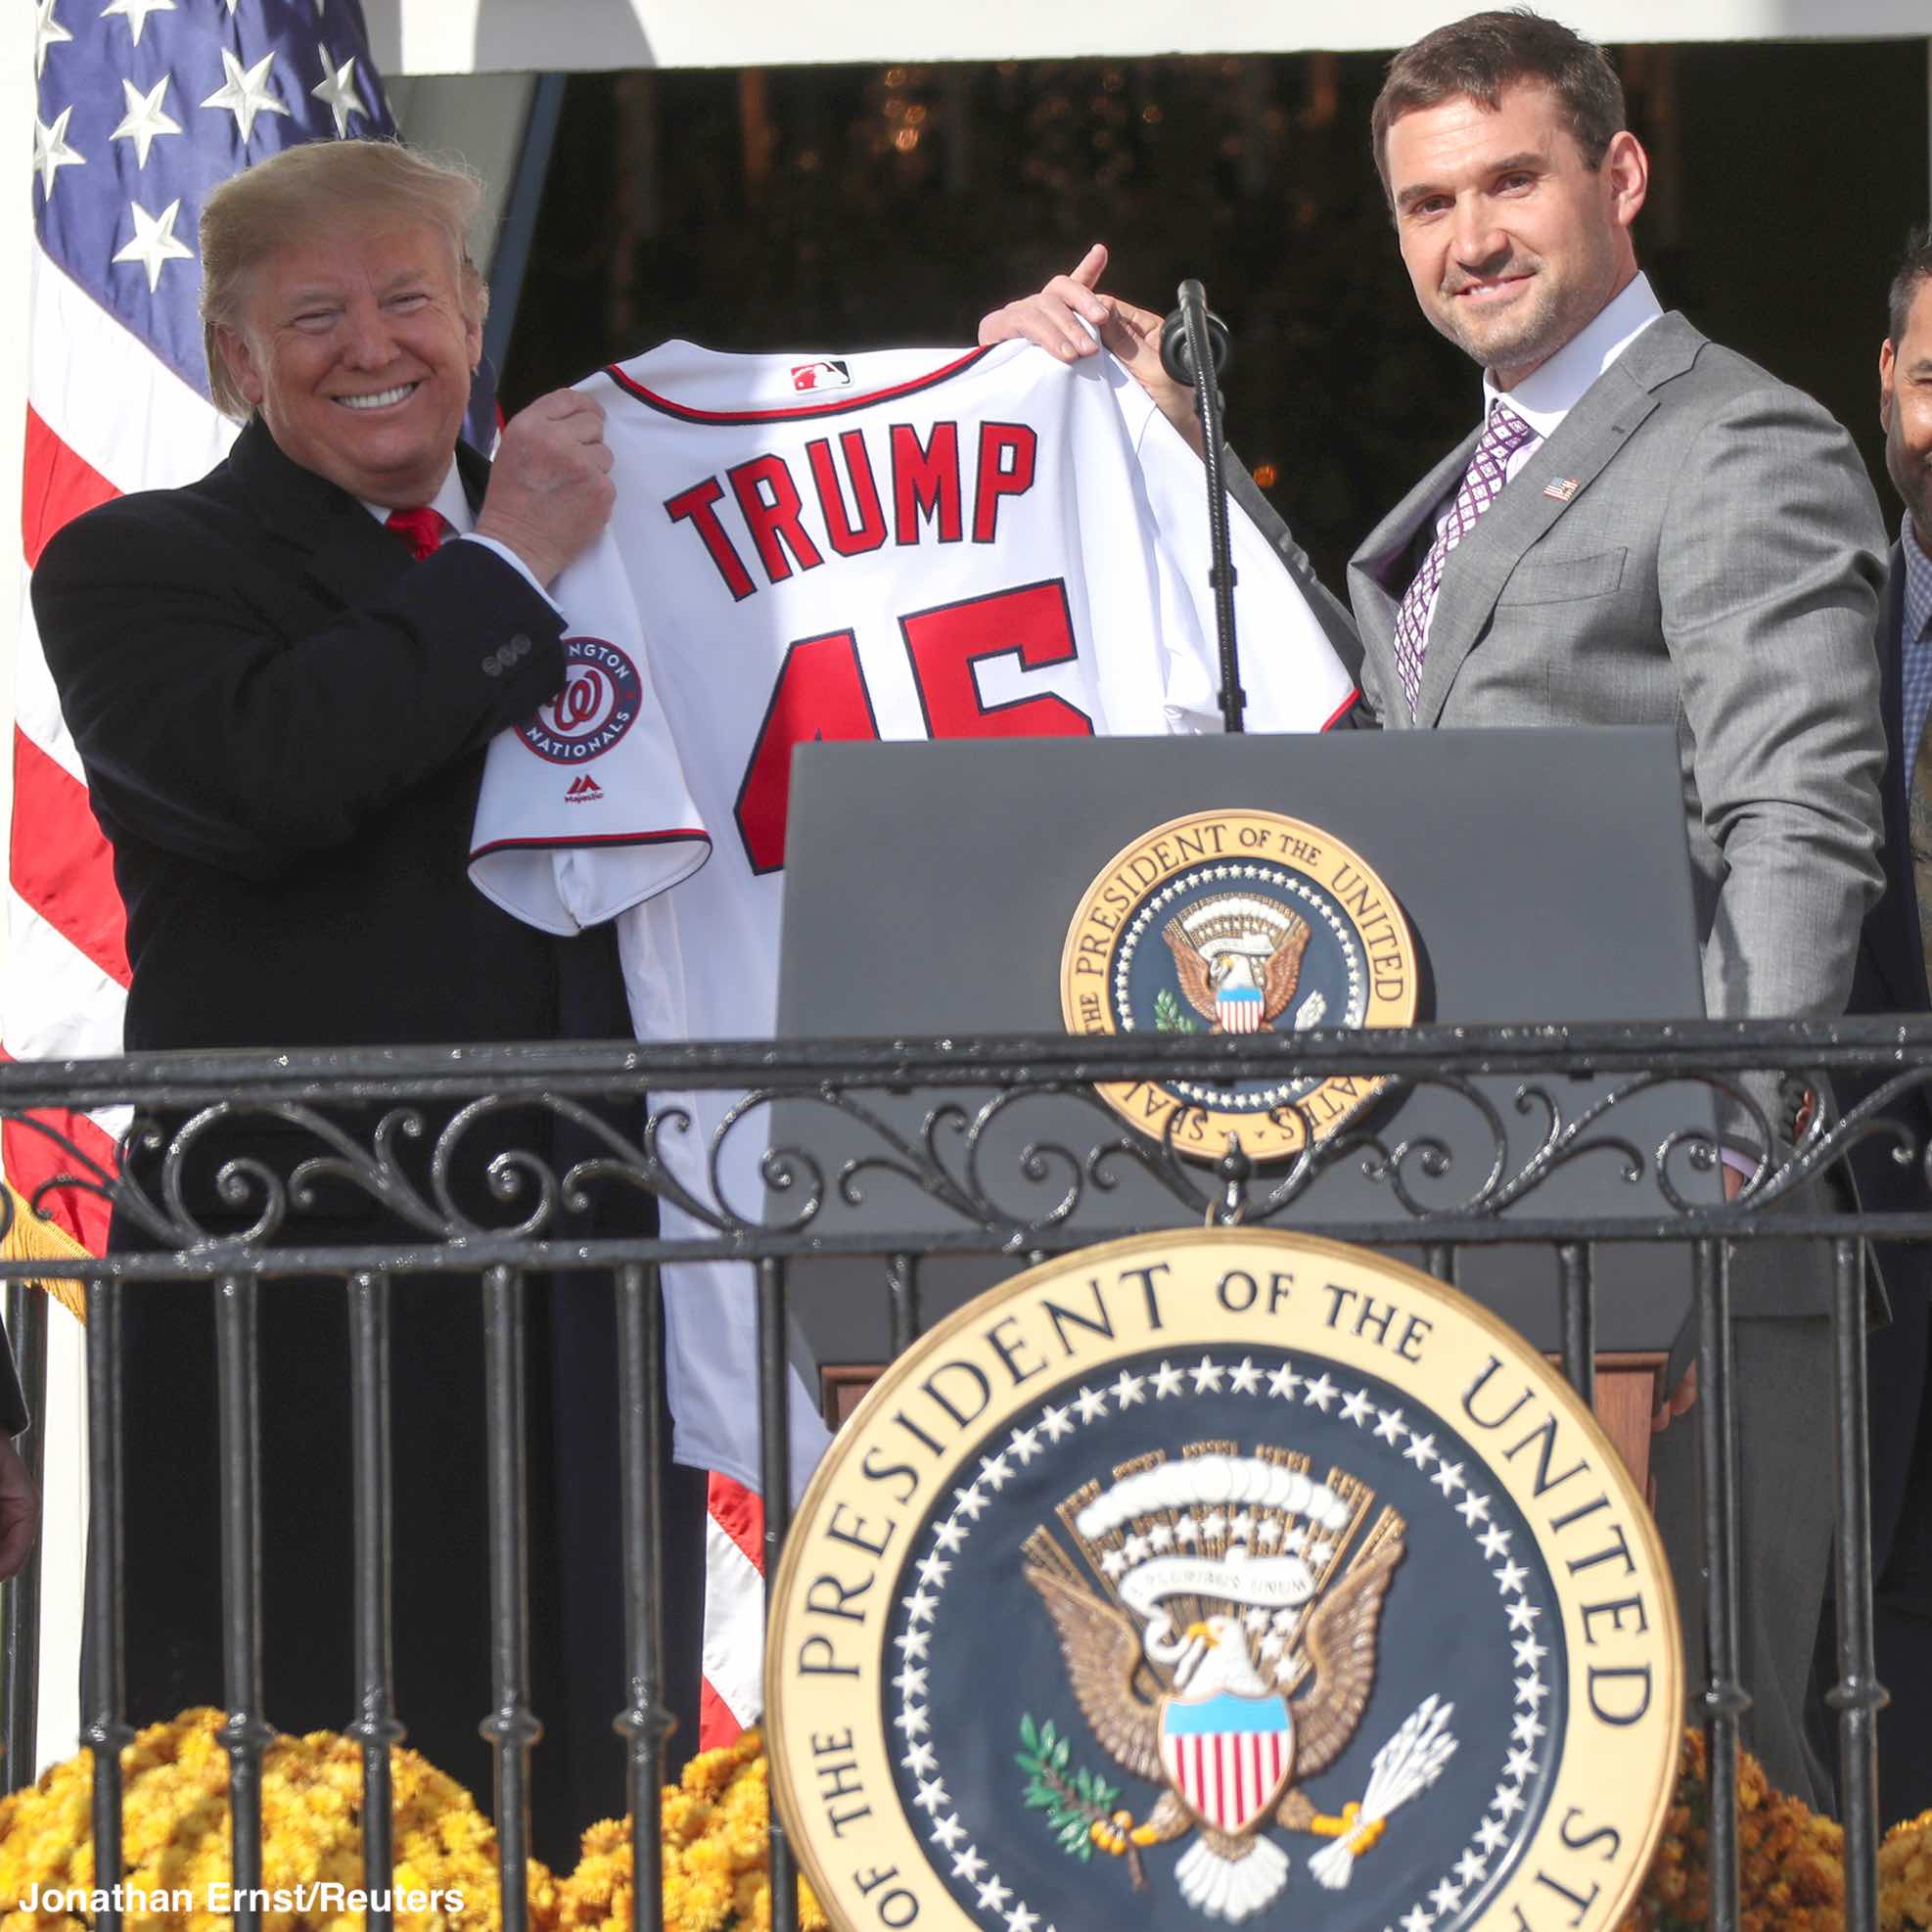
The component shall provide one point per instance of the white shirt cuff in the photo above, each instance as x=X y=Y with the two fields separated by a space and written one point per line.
x=515 y=562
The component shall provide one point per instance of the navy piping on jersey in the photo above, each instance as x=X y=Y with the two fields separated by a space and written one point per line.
x=564 y=842
x=840 y=406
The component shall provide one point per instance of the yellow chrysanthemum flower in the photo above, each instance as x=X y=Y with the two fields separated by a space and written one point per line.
x=1791 y=1863
x=716 y=1831
x=175 y=1837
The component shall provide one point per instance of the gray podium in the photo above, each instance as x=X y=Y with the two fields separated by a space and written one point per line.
x=1544 y=875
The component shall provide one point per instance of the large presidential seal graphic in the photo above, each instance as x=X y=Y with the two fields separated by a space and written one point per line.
x=1237 y=922
x=1223 y=1576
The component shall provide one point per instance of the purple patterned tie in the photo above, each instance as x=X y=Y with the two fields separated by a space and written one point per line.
x=1482 y=483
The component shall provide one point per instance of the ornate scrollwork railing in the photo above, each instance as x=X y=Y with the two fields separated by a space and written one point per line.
x=496 y=1159
x=944 y=1123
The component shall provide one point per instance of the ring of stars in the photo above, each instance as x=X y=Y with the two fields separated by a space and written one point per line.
x=1089 y=1403
x=1243 y=873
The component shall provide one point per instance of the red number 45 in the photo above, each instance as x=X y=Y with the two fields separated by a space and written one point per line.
x=821 y=694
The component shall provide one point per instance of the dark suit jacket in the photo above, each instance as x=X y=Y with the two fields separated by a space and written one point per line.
x=283 y=725
x=1891 y=979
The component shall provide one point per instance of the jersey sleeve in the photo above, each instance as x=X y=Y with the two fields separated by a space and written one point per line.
x=585 y=811
x=1290 y=672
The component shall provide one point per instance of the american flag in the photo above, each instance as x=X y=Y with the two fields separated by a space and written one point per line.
x=142 y=107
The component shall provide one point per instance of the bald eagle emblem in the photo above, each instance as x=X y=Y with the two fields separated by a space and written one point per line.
x=1238 y=958
x=1227 y=1655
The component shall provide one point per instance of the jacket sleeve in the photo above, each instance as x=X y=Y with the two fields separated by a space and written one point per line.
x=215 y=734
x=1768 y=578
x=1330 y=612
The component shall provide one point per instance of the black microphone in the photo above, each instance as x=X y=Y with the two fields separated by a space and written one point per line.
x=1175 y=356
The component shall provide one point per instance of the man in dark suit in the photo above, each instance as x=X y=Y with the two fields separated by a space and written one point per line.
x=1891 y=978
x=281 y=680
x=1643 y=529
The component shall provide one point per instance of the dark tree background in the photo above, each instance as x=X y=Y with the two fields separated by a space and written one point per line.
x=830 y=208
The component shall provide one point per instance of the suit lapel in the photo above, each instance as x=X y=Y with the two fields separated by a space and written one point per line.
x=1586 y=440
x=1380 y=571
x=333 y=542
x=1608 y=413
x=336 y=544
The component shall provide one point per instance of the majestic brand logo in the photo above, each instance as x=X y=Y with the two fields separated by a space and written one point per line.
x=583 y=790
x=1224 y=1576
x=1266 y=924
x=599 y=703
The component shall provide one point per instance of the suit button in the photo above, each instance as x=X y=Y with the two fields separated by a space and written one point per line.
x=520 y=646
x=491 y=667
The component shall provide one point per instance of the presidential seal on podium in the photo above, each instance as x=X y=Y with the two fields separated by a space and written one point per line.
x=1237 y=922
x=1223 y=1576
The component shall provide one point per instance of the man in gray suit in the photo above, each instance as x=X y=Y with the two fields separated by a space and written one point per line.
x=1643 y=529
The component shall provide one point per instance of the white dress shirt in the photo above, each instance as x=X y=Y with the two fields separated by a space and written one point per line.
x=1550 y=391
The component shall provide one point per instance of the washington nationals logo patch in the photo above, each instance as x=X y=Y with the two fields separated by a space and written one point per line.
x=1223 y=1576
x=598 y=704
x=1237 y=922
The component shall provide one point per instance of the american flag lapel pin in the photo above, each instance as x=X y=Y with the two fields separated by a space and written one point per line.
x=1563 y=489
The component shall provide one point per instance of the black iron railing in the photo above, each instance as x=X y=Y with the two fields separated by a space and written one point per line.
x=933 y=1121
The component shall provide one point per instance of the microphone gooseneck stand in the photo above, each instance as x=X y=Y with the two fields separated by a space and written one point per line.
x=1194 y=348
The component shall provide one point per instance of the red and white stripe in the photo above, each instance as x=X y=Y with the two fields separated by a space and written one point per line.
x=1227 y=1776
x=104 y=416
x=731 y=1699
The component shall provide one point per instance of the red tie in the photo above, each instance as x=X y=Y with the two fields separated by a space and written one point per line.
x=422 y=528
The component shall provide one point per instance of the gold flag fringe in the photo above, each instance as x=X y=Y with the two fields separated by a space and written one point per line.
x=32 y=1239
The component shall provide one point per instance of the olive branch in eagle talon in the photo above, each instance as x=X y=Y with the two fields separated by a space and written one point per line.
x=1168 y=1016
x=1078 y=1812
x=1229 y=1874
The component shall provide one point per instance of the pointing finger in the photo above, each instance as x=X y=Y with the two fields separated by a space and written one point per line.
x=1093 y=265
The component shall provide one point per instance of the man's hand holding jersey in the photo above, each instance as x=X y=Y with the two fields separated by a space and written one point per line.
x=550 y=491
x=1057 y=318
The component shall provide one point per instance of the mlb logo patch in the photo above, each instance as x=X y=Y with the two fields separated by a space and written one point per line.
x=822 y=375
x=1563 y=489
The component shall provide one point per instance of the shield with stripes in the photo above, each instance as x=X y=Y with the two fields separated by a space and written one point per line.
x=1229 y=1757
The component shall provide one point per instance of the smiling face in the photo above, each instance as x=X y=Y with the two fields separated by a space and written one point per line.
x=1512 y=243
x=1905 y=407
x=357 y=349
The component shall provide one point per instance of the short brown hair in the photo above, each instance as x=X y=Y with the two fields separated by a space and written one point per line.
x=1914 y=272
x=1481 y=56
x=250 y=215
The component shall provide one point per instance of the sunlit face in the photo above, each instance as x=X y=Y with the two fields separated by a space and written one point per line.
x=1905 y=407
x=1513 y=246
x=357 y=349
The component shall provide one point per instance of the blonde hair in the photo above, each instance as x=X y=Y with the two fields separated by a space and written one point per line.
x=249 y=217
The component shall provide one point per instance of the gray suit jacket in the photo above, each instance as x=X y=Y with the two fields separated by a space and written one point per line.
x=1712 y=560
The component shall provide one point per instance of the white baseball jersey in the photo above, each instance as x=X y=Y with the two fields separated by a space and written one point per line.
x=891 y=545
